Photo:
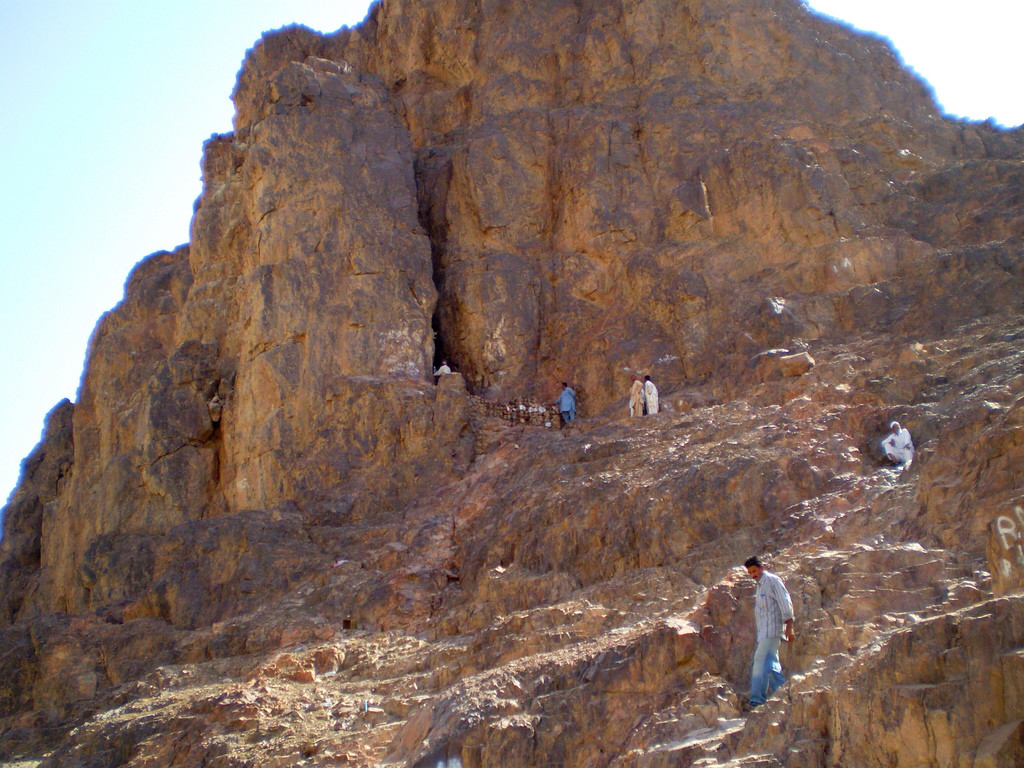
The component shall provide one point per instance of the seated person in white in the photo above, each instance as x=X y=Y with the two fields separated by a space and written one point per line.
x=898 y=446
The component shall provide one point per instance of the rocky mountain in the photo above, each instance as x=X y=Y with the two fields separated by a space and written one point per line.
x=266 y=535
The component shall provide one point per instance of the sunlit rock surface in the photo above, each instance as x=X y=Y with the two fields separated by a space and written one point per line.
x=266 y=534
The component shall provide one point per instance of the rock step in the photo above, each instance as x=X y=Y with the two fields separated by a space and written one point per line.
x=860 y=605
x=860 y=585
x=695 y=749
x=489 y=432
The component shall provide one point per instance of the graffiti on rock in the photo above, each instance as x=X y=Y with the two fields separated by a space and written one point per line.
x=1010 y=530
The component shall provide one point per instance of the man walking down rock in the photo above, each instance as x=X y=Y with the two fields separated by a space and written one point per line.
x=773 y=612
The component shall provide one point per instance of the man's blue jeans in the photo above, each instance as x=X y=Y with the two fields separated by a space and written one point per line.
x=766 y=671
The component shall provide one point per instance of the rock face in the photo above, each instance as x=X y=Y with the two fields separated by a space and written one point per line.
x=265 y=534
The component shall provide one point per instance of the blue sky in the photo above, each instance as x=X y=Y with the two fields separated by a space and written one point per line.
x=106 y=105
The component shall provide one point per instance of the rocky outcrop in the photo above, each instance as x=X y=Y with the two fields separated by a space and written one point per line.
x=651 y=174
x=227 y=356
x=38 y=488
x=266 y=532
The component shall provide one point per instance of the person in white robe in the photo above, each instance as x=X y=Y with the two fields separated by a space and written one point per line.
x=897 y=445
x=650 y=396
x=636 y=398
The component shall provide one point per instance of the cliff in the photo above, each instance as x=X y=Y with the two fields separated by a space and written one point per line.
x=263 y=533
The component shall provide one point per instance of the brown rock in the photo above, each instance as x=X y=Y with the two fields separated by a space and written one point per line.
x=452 y=381
x=263 y=535
x=42 y=473
x=796 y=365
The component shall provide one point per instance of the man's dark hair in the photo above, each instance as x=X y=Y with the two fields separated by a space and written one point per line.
x=753 y=561
x=565 y=384
x=647 y=378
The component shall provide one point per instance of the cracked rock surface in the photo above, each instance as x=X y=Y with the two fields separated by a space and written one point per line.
x=264 y=534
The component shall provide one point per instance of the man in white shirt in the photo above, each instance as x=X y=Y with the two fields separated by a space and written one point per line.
x=773 y=613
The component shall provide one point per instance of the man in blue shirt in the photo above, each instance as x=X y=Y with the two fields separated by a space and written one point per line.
x=773 y=612
x=566 y=404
